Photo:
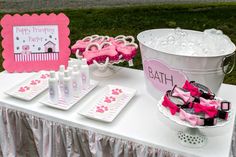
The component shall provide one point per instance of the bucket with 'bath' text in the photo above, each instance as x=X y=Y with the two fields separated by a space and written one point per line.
x=163 y=69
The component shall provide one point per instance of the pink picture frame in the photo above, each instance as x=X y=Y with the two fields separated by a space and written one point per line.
x=35 y=42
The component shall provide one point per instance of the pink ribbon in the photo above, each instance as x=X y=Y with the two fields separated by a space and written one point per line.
x=167 y=103
x=192 y=119
x=192 y=89
x=205 y=102
x=211 y=111
x=182 y=94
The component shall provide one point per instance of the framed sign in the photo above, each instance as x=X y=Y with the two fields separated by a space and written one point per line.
x=35 y=42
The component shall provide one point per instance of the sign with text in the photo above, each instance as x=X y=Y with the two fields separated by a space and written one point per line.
x=39 y=42
x=161 y=76
x=35 y=42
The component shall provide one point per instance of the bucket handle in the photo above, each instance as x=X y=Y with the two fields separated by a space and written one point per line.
x=224 y=63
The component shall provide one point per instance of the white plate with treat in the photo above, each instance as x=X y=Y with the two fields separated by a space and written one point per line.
x=108 y=103
x=62 y=105
x=31 y=87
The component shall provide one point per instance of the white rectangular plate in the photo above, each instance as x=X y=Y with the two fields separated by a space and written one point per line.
x=108 y=104
x=31 y=87
x=66 y=106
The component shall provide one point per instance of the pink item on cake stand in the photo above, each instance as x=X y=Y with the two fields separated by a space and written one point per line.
x=99 y=53
x=105 y=51
x=80 y=46
x=102 y=56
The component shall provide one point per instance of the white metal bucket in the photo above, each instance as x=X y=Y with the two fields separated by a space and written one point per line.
x=208 y=70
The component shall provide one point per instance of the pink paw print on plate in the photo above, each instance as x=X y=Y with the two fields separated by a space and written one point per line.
x=34 y=82
x=109 y=99
x=44 y=76
x=116 y=91
x=101 y=109
x=23 y=89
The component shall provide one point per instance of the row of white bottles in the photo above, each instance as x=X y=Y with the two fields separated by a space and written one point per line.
x=70 y=81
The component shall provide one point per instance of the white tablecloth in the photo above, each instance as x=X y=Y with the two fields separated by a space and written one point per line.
x=33 y=129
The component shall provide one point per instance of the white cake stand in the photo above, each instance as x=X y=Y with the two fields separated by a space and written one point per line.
x=103 y=69
x=191 y=136
x=106 y=69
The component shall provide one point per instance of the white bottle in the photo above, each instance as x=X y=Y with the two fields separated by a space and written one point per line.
x=79 y=62
x=53 y=87
x=70 y=70
x=66 y=73
x=68 y=87
x=70 y=63
x=76 y=81
x=61 y=78
x=85 y=74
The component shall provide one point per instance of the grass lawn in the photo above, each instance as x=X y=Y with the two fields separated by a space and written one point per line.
x=134 y=19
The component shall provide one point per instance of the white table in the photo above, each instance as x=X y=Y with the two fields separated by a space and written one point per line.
x=140 y=122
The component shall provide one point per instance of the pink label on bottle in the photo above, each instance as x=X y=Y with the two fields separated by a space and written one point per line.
x=161 y=76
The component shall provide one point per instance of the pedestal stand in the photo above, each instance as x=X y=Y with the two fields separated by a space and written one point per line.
x=192 y=137
x=103 y=69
